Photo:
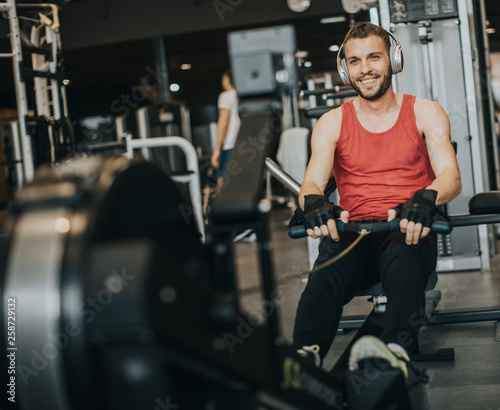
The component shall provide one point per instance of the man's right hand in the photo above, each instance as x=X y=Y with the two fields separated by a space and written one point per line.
x=319 y=217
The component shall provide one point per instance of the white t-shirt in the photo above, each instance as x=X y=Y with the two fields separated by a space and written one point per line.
x=229 y=100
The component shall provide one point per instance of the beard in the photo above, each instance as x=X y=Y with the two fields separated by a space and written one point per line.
x=373 y=95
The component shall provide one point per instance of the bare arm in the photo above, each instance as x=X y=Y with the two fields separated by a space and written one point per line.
x=323 y=144
x=222 y=126
x=434 y=125
x=433 y=122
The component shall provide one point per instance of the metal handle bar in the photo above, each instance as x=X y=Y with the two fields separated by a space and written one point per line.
x=281 y=175
x=442 y=227
x=286 y=179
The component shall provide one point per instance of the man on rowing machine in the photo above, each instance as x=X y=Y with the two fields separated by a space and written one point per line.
x=391 y=155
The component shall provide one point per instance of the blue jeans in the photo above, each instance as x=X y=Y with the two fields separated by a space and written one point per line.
x=223 y=160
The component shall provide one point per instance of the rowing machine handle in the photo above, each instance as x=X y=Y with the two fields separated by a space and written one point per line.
x=442 y=227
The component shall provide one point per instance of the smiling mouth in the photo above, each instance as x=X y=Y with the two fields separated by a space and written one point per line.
x=368 y=81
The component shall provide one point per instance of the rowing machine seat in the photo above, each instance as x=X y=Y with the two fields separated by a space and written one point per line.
x=485 y=203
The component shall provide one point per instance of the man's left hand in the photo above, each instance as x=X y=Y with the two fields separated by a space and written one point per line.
x=416 y=215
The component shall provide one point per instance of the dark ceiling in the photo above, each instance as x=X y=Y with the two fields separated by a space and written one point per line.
x=101 y=74
x=205 y=51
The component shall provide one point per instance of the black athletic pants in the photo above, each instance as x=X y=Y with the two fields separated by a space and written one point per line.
x=402 y=269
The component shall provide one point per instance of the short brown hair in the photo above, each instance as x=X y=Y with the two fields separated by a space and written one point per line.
x=365 y=29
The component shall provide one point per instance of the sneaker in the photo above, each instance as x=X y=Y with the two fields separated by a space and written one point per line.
x=245 y=236
x=311 y=353
x=251 y=237
x=372 y=347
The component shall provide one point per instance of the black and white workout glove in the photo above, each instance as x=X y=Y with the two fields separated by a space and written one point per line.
x=318 y=210
x=419 y=208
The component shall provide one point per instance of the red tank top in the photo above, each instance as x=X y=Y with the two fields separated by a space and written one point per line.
x=376 y=171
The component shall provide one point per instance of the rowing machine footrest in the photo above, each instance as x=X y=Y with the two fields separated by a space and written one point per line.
x=446 y=353
x=376 y=387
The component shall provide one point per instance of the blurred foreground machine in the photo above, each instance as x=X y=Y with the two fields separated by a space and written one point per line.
x=118 y=304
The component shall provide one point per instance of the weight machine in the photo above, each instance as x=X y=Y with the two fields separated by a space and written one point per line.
x=43 y=132
x=449 y=49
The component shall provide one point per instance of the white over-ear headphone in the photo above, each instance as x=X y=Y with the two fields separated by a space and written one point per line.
x=395 y=54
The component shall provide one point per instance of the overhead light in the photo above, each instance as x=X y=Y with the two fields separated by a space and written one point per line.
x=185 y=65
x=175 y=87
x=303 y=58
x=333 y=48
x=301 y=54
x=490 y=28
x=330 y=20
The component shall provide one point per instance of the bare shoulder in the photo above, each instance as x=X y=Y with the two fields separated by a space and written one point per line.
x=328 y=126
x=430 y=117
x=425 y=109
x=332 y=116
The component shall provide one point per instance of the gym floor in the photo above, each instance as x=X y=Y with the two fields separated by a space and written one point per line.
x=471 y=381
